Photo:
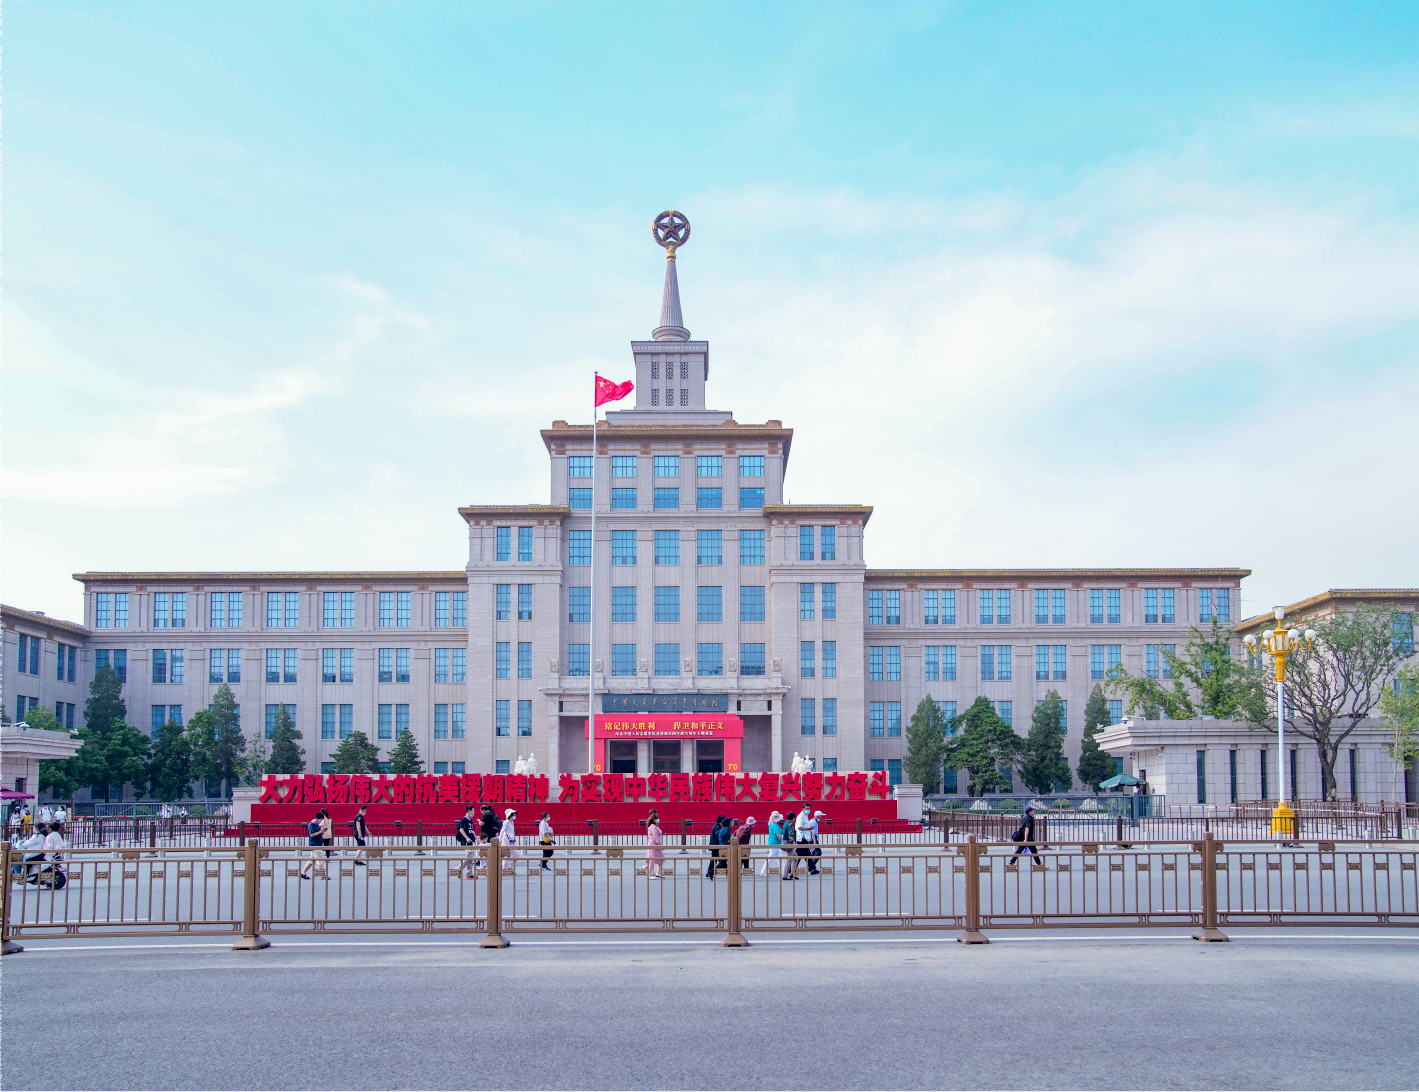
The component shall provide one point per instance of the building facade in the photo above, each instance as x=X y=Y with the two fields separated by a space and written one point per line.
x=706 y=583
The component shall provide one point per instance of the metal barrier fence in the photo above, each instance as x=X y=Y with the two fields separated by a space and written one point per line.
x=1235 y=824
x=256 y=891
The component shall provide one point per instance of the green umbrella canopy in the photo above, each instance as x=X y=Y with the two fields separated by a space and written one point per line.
x=1119 y=779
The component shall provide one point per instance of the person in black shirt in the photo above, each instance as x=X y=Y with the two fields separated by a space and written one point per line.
x=465 y=834
x=488 y=827
x=1025 y=835
x=360 y=830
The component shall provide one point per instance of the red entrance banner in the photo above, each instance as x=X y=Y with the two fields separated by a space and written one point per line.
x=669 y=726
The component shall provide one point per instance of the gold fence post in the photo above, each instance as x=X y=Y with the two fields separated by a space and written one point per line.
x=9 y=946
x=495 y=938
x=251 y=938
x=1209 y=929
x=973 y=935
x=735 y=938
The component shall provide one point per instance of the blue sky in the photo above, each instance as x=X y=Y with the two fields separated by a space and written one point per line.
x=288 y=283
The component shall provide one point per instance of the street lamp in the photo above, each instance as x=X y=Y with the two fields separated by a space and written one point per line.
x=1280 y=643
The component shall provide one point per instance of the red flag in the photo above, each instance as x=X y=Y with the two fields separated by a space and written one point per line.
x=607 y=391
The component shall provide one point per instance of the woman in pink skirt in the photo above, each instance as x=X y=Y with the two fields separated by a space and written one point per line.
x=654 y=838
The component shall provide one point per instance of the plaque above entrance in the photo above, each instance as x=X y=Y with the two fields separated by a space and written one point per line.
x=665 y=703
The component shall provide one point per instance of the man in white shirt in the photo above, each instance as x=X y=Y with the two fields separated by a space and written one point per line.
x=33 y=845
x=55 y=845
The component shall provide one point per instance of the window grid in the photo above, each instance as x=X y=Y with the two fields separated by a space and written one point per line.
x=807 y=659
x=830 y=659
x=667 y=603
x=751 y=604
x=709 y=548
x=806 y=601
x=751 y=659
x=751 y=547
x=830 y=723
x=828 y=544
x=807 y=716
x=667 y=659
x=667 y=547
x=623 y=548
x=830 y=601
x=805 y=543
x=710 y=604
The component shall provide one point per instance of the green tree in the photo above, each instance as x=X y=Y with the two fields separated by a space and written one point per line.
x=113 y=757
x=1336 y=683
x=287 y=757
x=404 y=758
x=1043 y=767
x=983 y=744
x=104 y=707
x=252 y=765
x=926 y=746
x=216 y=739
x=1095 y=764
x=1205 y=680
x=1399 y=706
x=170 y=768
x=356 y=754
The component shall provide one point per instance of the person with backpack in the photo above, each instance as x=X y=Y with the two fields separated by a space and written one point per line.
x=314 y=838
x=466 y=834
x=1025 y=835
x=715 y=840
x=361 y=831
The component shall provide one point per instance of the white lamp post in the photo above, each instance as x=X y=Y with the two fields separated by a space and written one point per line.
x=1280 y=643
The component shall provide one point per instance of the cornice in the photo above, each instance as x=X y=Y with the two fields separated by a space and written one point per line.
x=792 y=513
x=542 y=513
x=1332 y=598
x=459 y=576
x=1072 y=575
x=14 y=617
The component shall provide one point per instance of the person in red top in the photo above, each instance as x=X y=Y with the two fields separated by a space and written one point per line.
x=742 y=834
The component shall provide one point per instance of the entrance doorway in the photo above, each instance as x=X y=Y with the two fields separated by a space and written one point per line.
x=623 y=756
x=665 y=756
x=709 y=756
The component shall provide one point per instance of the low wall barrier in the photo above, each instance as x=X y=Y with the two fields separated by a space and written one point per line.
x=253 y=892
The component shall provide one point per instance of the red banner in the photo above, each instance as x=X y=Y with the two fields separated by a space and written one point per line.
x=669 y=726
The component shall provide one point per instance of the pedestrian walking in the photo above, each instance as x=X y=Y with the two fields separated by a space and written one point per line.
x=360 y=828
x=314 y=838
x=45 y=815
x=775 y=839
x=716 y=839
x=742 y=834
x=465 y=833
x=654 y=839
x=790 y=848
x=488 y=827
x=61 y=815
x=327 y=832
x=508 y=834
x=1025 y=835
x=546 y=839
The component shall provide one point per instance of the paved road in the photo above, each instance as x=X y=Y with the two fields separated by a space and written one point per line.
x=1308 y=1009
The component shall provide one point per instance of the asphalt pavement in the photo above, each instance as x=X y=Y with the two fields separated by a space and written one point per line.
x=1303 y=1008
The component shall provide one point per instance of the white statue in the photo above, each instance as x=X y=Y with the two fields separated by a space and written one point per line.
x=519 y=767
x=531 y=763
x=801 y=764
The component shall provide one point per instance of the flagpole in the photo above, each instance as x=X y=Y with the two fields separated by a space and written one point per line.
x=591 y=607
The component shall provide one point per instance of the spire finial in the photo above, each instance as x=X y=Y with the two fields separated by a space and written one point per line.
x=671 y=230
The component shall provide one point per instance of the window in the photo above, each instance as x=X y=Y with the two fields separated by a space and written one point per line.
x=502 y=602
x=1096 y=606
x=830 y=727
x=623 y=660
x=751 y=659
x=273 y=665
x=987 y=662
x=894 y=663
x=1056 y=613
x=401 y=616
x=440 y=767
x=440 y=609
x=751 y=547
x=119 y=661
x=169 y=610
x=751 y=466
x=807 y=716
x=1204 y=604
x=103 y=614
x=874 y=663
x=623 y=466
x=711 y=605
x=874 y=608
x=579 y=660
x=524 y=602
x=709 y=497
x=224 y=610
x=894 y=718
x=929 y=615
x=329 y=661
x=931 y=663
x=1115 y=610
x=502 y=660
x=894 y=770
x=578 y=498
x=272 y=713
x=877 y=718
x=1115 y=710
x=1401 y=628
x=1005 y=710
x=805 y=543
x=401 y=719
x=709 y=548
x=894 y=608
x=711 y=659
x=29 y=662
x=1002 y=606
x=667 y=466
x=1150 y=661
x=948 y=608
x=274 y=615
x=234 y=665
x=623 y=498
x=751 y=604
x=667 y=603
x=1224 y=604
x=623 y=547
x=751 y=496
x=579 y=466
x=623 y=604
x=503 y=537
x=667 y=547
x=828 y=544
x=1061 y=653
x=440 y=722
x=1202 y=777
x=1096 y=661
x=1063 y=712
x=830 y=601
x=327 y=722
x=502 y=717
x=667 y=659
x=830 y=659
x=386 y=609
x=1169 y=598
x=708 y=466
x=1041 y=662
x=386 y=722
x=347 y=608
x=216 y=665
x=1004 y=662
x=665 y=497
x=807 y=659
x=329 y=609
x=948 y=713
x=524 y=543
x=579 y=604
x=160 y=665
x=440 y=665
x=1150 y=605
x=459 y=711
x=1115 y=653
x=579 y=547
x=805 y=601
x=948 y=663
x=987 y=607
x=524 y=660
x=1041 y=607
